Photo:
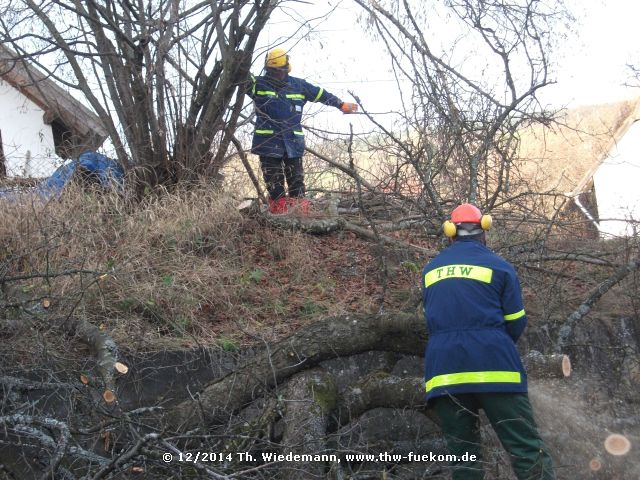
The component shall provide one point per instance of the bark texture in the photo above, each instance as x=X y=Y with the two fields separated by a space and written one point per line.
x=310 y=399
x=101 y=345
x=381 y=390
x=326 y=339
x=334 y=223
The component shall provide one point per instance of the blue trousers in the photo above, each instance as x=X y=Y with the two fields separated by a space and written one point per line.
x=276 y=170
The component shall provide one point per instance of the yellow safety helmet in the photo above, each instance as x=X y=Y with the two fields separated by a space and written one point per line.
x=277 y=58
x=470 y=216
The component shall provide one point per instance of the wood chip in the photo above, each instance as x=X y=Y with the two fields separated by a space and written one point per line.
x=617 y=444
x=46 y=303
x=566 y=366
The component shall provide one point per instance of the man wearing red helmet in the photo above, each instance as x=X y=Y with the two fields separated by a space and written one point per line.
x=474 y=314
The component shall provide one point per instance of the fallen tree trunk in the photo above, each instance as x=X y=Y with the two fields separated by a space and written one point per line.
x=328 y=338
x=386 y=240
x=389 y=391
x=332 y=224
x=307 y=224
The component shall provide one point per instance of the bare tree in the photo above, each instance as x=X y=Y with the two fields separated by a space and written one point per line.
x=162 y=75
x=465 y=94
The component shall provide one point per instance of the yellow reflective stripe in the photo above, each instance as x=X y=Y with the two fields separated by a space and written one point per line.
x=320 y=92
x=264 y=132
x=472 y=377
x=253 y=89
x=267 y=92
x=515 y=316
x=296 y=132
x=299 y=96
x=472 y=272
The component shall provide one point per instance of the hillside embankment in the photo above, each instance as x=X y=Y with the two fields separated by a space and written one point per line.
x=189 y=288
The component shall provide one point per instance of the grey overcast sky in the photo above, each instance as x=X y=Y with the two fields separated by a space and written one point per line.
x=590 y=64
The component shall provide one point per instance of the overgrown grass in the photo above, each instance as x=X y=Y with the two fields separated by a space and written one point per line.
x=185 y=268
x=181 y=268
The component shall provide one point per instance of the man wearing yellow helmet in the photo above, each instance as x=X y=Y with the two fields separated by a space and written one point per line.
x=278 y=138
x=474 y=315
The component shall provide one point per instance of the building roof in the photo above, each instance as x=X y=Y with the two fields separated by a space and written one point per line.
x=563 y=157
x=76 y=128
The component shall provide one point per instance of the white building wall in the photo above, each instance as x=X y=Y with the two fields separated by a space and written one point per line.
x=617 y=187
x=26 y=141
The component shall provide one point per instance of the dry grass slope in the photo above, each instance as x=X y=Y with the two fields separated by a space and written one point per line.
x=179 y=270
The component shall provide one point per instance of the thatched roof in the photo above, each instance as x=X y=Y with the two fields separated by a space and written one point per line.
x=564 y=156
x=75 y=127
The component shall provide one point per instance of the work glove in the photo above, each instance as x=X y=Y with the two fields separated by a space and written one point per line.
x=347 y=107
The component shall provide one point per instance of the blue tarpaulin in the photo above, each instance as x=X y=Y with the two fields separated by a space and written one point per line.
x=106 y=171
x=101 y=169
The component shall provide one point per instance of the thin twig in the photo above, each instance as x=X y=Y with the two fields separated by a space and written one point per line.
x=126 y=456
x=48 y=275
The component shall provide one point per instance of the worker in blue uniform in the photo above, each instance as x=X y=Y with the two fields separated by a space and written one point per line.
x=474 y=315
x=278 y=138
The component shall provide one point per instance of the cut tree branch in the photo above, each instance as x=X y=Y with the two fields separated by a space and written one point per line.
x=566 y=331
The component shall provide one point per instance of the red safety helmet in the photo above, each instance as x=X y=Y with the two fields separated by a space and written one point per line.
x=466 y=214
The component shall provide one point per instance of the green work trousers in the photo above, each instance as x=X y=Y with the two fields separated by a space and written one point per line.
x=511 y=417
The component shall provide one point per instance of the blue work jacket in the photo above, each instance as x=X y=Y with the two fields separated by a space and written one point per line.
x=474 y=315
x=279 y=107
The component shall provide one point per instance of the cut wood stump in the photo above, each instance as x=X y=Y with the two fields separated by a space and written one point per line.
x=109 y=396
x=617 y=444
x=595 y=465
x=121 y=368
x=539 y=365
